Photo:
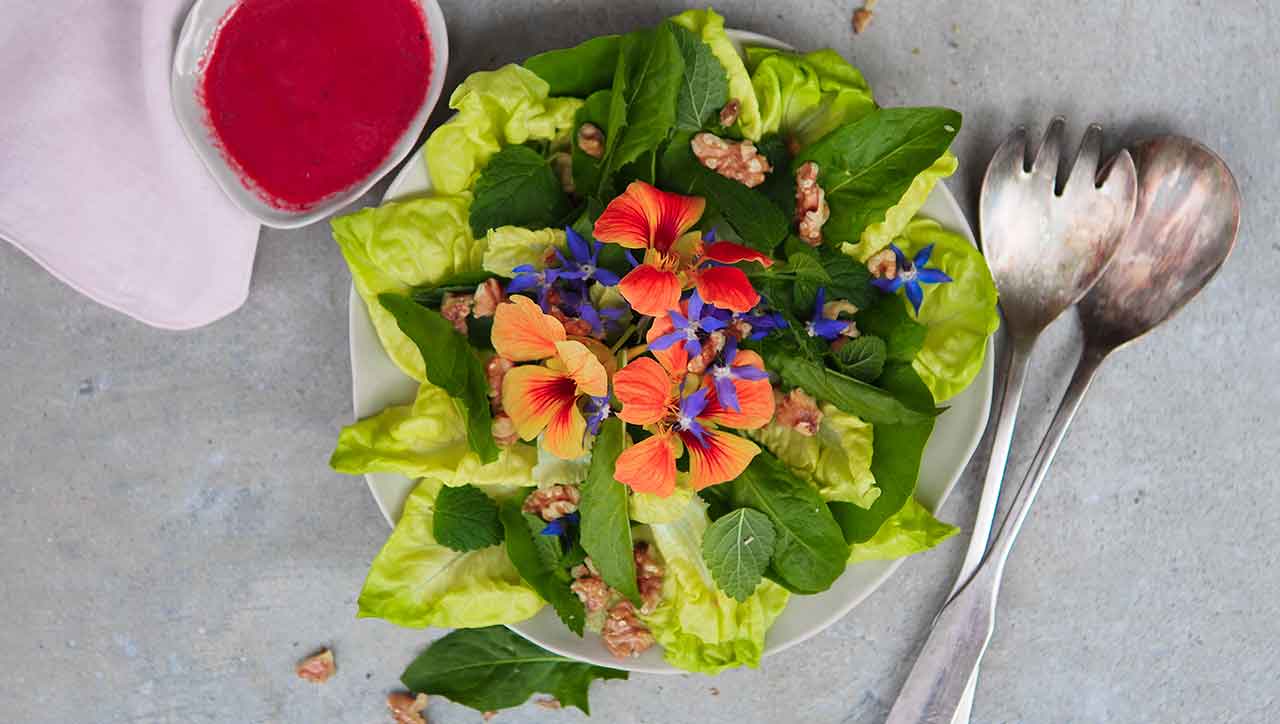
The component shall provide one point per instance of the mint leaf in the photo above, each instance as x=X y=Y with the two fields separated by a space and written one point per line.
x=535 y=570
x=605 y=523
x=642 y=108
x=866 y=166
x=578 y=71
x=704 y=87
x=517 y=188
x=737 y=548
x=887 y=317
x=809 y=551
x=850 y=279
x=493 y=668
x=862 y=358
x=872 y=404
x=465 y=519
x=450 y=365
x=808 y=276
x=759 y=223
x=895 y=458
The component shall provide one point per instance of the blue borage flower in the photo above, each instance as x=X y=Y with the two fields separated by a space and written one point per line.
x=527 y=277
x=690 y=408
x=723 y=373
x=561 y=526
x=584 y=265
x=911 y=274
x=762 y=322
x=702 y=318
x=820 y=326
x=598 y=411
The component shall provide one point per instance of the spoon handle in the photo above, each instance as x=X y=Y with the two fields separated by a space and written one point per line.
x=937 y=682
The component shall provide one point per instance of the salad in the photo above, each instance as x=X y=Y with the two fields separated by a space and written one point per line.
x=681 y=337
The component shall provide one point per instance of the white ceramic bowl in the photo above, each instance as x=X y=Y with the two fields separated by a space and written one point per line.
x=377 y=383
x=197 y=32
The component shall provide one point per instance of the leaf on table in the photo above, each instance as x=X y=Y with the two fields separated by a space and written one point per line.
x=523 y=550
x=466 y=519
x=737 y=549
x=704 y=87
x=866 y=166
x=451 y=365
x=517 y=188
x=605 y=523
x=493 y=668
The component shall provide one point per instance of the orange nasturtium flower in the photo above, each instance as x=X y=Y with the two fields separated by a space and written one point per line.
x=545 y=397
x=651 y=396
x=648 y=218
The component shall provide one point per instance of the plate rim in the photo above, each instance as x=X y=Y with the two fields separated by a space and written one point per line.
x=403 y=186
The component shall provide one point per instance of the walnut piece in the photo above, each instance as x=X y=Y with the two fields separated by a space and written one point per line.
x=862 y=16
x=488 y=715
x=729 y=114
x=812 y=210
x=504 y=430
x=455 y=308
x=487 y=298
x=496 y=371
x=406 y=708
x=552 y=502
x=623 y=633
x=562 y=164
x=648 y=578
x=798 y=411
x=592 y=591
x=548 y=702
x=715 y=343
x=317 y=668
x=737 y=160
x=883 y=264
x=591 y=140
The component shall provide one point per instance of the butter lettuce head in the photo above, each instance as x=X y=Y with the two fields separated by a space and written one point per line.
x=495 y=108
x=507 y=247
x=709 y=25
x=427 y=439
x=702 y=629
x=414 y=581
x=878 y=236
x=399 y=245
x=911 y=530
x=837 y=460
x=960 y=315
x=805 y=97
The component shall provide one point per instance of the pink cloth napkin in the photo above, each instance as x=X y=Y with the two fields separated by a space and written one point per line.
x=97 y=182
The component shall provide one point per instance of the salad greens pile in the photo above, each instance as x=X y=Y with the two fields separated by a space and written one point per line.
x=652 y=396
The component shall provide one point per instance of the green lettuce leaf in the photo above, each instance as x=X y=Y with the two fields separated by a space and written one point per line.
x=959 y=315
x=878 y=235
x=495 y=108
x=911 y=530
x=414 y=581
x=427 y=440
x=507 y=247
x=649 y=508
x=494 y=668
x=805 y=97
x=700 y=627
x=837 y=460
x=401 y=245
x=709 y=25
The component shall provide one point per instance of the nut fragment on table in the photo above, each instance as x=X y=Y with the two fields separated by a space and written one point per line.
x=406 y=708
x=862 y=16
x=317 y=668
x=548 y=702
x=812 y=210
x=591 y=140
x=737 y=160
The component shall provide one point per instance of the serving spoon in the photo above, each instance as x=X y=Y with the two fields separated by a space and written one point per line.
x=1184 y=227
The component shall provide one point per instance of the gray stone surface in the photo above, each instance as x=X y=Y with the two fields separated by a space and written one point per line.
x=171 y=539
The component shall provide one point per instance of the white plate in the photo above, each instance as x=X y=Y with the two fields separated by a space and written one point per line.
x=198 y=30
x=378 y=383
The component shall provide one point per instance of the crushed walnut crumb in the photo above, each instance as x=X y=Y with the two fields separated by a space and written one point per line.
x=862 y=16
x=591 y=140
x=812 y=210
x=562 y=164
x=798 y=411
x=317 y=668
x=737 y=160
x=455 y=308
x=648 y=578
x=623 y=633
x=552 y=502
x=548 y=702
x=729 y=114
x=488 y=715
x=883 y=264
x=592 y=591
x=495 y=371
x=711 y=348
x=406 y=708
x=504 y=430
x=487 y=298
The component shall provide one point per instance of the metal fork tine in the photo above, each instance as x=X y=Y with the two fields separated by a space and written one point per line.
x=1084 y=172
x=1011 y=153
x=1046 y=163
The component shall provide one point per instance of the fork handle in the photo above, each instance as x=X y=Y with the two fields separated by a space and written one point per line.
x=960 y=635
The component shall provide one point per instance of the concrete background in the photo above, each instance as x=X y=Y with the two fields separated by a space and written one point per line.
x=171 y=540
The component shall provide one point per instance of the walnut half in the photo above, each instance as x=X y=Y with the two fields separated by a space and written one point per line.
x=737 y=160
x=591 y=140
x=317 y=668
x=812 y=210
